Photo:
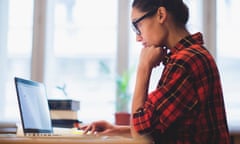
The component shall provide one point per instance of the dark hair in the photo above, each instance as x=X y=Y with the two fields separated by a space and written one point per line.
x=177 y=8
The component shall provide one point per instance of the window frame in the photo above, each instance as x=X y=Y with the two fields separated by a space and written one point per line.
x=40 y=56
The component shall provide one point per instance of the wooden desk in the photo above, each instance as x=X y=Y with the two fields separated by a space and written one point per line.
x=13 y=139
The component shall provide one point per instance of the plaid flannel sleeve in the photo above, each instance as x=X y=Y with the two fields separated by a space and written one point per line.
x=168 y=102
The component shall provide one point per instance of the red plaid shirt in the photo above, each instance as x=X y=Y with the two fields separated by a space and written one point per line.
x=187 y=106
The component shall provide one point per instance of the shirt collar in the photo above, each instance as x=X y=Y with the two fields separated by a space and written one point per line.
x=196 y=38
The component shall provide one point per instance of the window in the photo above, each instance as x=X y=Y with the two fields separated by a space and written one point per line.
x=15 y=50
x=69 y=54
x=81 y=55
x=228 y=54
x=84 y=45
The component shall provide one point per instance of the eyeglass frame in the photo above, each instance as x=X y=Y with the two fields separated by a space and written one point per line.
x=135 y=22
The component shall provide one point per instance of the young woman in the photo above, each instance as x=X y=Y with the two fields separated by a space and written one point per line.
x=187 y=106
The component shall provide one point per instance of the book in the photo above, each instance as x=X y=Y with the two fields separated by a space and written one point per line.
x=64 y=104
x=63 y=114
x=64 y=123
x=8 y=127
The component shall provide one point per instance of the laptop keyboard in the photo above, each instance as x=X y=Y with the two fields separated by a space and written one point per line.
x=41 y=134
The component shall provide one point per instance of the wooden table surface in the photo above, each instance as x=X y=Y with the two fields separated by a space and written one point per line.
x=13 y=139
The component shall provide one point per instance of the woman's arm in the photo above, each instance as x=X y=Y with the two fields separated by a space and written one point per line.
x=105 y=128
x=140 y=92
x=150 y=57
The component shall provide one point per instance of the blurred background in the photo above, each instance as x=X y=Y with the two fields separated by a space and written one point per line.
x=84 y=45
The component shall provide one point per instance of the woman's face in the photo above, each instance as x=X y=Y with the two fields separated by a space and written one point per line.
x=151 y=30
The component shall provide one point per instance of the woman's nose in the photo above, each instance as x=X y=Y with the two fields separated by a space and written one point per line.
x=138 y=38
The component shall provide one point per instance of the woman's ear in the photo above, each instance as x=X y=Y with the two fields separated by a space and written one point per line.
x=162 y=14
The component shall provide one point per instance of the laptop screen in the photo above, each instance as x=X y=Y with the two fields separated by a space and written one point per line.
x=33 y=105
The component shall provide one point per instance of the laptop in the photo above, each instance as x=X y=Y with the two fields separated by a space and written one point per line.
x=34 y=110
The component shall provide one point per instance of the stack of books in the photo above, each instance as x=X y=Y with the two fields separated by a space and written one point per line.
x=64 y=112
x=8 y=127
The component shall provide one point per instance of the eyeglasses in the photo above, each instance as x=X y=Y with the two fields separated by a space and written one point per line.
x=135 y=23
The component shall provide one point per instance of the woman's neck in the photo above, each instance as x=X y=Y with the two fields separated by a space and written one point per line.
x=175 y=36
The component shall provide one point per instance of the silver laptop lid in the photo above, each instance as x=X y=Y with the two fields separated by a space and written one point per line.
x=33 y=106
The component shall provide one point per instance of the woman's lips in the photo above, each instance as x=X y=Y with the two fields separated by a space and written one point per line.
x=144 y=44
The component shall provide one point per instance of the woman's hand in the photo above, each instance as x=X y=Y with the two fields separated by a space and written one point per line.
x=105 y=128
x=152 y=56
x=98 y=127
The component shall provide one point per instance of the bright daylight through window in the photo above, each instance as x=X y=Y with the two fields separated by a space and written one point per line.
x=80 y=51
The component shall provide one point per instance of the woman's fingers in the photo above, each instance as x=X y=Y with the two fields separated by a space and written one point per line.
x=87 y=129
